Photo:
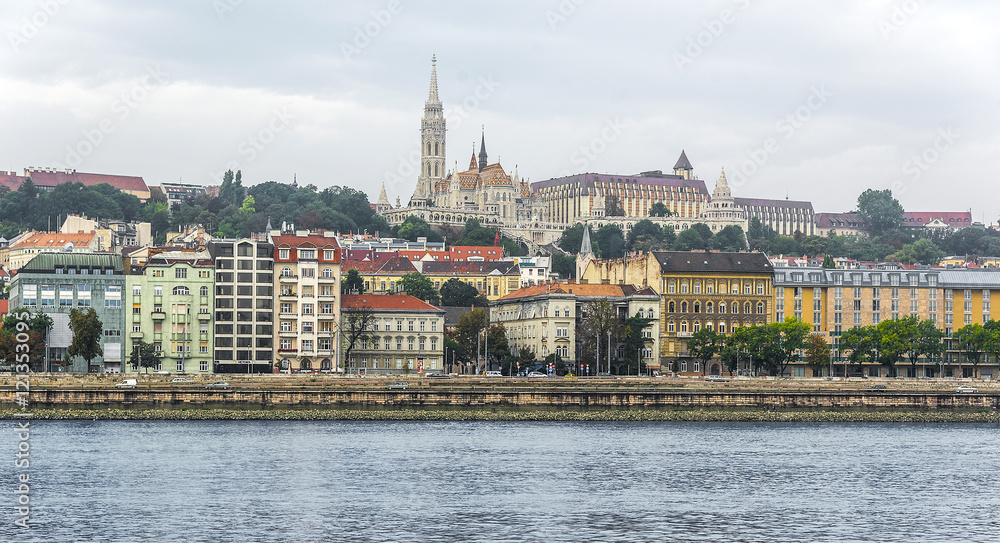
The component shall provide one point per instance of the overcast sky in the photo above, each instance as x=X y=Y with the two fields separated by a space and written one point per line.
x=810 y=100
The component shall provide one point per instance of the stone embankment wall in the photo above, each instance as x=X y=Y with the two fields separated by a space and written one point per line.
x=510 y=397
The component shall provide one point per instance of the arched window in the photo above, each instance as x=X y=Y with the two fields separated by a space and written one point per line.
x=181 y=291
x=697 y=307
x=204 y=291
x=684 y=287
x=286 y=272
x=435 y=170
x=436 y=149
x=722 y=327
x=709 y=325
x=697 y=326
x=709 y=308
x=671 y=307
x=722 y=307
x=684 y=307
x=747 y=309
x=641 y=314
x=684 y=326
x=760 y=308
x=670 y=326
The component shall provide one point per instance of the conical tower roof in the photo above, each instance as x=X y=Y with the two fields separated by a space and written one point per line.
x=721 y=187
x=432 y=96
x=383 y=199
x=585 y=246
x=683 y=163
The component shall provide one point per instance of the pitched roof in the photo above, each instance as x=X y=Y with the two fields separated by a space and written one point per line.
x=596 y=290
x=54 y=239
x=396 y=264
x=587 y=181
x=382 y=302
x=44 y=178
x=484 y=267
x=48 y=262
x=11 y=180
x=683 y=163
x=951 y=218
x=764 y=202
x=839 y=220
x=4 y=307
x=703 y=261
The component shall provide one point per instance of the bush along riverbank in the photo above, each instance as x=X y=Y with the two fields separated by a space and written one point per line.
x=597 y=415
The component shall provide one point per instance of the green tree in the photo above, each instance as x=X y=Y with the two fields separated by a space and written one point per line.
x=598 y=319
x=659 y=210
x=414 y=227
x=572 y=238
x=704 y=344
x=730 y=239
x=468 y=329
x=635 y=341
x=356 y=326
x=862 y=342
x=786 y=338
x=880 y=210
x=817 y=353
x=696 y=238
x=36 y=325
x=144 y=355
x=247 y=208
x=417 y=285
x=610 y=241
x=895 y=338
x=972 y=341
x=353 y=282
x=828 y=263
x=733 y=347
x=87 y=333
x=564 y=265
x=922 y=251
x=455 y=292
x=926 y=340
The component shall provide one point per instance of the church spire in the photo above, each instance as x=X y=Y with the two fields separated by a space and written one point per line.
x=585 y=245
x=721 y=187
x=482 y=151
x=432 y=97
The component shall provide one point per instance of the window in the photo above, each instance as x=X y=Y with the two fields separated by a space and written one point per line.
x=307 y=254
x=203 y=291
x=308 y=272
x=327 y=273
x=181 y=273
x=137 y=290
x=307 y=344
x=286 y=272
x=48 y=295
x=307 y=309
x=65 y=295
x=157 y=290
x=283 y=254
x=181 y=291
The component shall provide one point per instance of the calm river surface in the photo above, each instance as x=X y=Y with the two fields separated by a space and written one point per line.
x=505 y=481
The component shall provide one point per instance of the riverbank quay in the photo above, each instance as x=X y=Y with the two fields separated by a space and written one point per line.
x=335 y=397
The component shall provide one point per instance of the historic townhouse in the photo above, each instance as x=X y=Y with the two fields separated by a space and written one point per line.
x=56 y=283
x=381 y=275
x=404 y=334
x=494 y=279
x=244 y=305
x=171 y=308
x=546 y=318
x=307 y=295
x=834 y=301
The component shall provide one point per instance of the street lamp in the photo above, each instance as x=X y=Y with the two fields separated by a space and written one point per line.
x=609 y=351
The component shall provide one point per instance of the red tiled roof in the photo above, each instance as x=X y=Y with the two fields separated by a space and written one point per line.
x=4 y=307
x=53 y=178
x=920 y=218
x=317 y=241
x=487 y=252
x=385 y=301
x=54 y=239
x=395 y=264
x=11 y=180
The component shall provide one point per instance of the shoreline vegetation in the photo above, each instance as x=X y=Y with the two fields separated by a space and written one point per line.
x=239 y=413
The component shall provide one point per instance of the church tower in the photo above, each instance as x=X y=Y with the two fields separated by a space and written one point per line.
x=586 y=254
x=482 y=152
x=432 y=139
x=683 y=167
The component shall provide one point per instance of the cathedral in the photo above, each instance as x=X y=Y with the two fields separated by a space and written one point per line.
x=485 y=190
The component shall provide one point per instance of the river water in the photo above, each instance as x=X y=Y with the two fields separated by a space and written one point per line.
x=504 y=481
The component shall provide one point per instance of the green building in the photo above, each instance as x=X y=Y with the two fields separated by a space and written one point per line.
x=171 y=301
x=57 y=283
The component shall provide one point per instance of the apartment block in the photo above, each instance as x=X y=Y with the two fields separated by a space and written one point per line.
x=405 y=335
x=244 y=305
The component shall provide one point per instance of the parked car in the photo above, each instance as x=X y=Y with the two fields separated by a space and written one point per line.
x=878 y=388
x=435 y=375
x=163 y=372
x=218 y=384
x=966 y=389
x=493 y=373
x=535 y=374
x=181 y=381
x=716 y=379
x=398 y=385
x=127 y=383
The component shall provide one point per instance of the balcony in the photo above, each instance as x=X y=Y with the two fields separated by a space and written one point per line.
x=327 y=279
x=135 y=335
x=287 y=333
x=288 y=278
x=159 y=315
x=204 y=316
x=288 y=297
x=291 y=351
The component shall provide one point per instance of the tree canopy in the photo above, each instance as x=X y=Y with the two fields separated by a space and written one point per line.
x=880 y=210
x=417 y=285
